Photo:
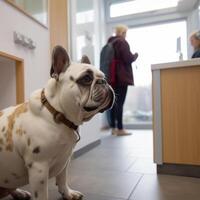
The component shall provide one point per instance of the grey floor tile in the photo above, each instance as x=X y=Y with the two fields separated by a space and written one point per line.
x=162 y=187
x=143 y=165
x=56 y=196
x=99 y=197
x=98 y=186
x=103 y=163
x=106 y=151
x=114 y=184
x=140 y=143
x=141 y=152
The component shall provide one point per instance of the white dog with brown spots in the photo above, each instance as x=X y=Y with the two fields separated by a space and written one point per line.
x=37 y=138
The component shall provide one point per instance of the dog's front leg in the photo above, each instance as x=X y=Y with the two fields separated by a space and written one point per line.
x=38 y=180
x=66 y=192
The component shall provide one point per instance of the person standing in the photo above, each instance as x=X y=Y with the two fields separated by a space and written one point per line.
x=124 y=77
x=195 y=42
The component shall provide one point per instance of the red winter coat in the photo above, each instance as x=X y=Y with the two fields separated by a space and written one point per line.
x=124 y=58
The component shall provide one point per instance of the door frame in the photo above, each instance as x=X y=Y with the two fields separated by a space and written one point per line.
x=19 y=74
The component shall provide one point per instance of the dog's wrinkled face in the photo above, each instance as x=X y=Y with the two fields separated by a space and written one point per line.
x=88 y=89
x=83 y=91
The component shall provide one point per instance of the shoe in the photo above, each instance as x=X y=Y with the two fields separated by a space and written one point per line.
x=114 y=131
x=105 y=128
x=122 y=132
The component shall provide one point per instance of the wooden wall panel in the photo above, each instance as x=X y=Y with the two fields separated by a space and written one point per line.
x=19 y=64
x=180 y=96
x=58 y=23
x=19 y=82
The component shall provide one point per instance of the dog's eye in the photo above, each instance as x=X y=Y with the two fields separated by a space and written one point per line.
x=85 y=80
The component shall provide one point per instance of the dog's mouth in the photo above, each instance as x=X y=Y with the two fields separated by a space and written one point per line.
x=111 y=97
x=104 y=105
x=91 y=108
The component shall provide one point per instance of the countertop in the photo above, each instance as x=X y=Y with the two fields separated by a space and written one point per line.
x=185 y=63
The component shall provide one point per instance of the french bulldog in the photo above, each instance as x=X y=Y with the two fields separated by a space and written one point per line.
x=37 y=137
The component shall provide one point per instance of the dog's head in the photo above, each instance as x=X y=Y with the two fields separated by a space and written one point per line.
x=80 y=88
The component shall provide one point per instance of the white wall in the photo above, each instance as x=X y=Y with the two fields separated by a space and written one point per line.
x=37 y=62
x=8 y=83
x=90 y=132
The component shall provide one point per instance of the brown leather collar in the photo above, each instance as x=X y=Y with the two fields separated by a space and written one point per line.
x=57 y=116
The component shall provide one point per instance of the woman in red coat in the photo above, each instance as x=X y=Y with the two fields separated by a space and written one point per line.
x=124 y=77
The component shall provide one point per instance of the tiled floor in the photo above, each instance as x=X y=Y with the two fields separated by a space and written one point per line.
x=122 y=168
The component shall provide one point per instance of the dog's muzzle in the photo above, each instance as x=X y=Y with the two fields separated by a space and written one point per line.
x=102 y=97
x=107 y=97
x=111 y=95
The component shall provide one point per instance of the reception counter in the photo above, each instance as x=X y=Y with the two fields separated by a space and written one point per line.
x=176 y=120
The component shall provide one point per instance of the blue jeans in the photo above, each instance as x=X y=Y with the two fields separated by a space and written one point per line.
x=116 y=113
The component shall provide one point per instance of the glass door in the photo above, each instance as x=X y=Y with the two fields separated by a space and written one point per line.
x=154 y=44
x=85 y=29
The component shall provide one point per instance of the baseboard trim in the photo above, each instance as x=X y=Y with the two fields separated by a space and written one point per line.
x=139 y=126
x=85 y=149
x=179 y=170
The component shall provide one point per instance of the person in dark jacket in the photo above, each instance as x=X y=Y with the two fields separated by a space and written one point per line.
x=195 y=42
x=124 y=59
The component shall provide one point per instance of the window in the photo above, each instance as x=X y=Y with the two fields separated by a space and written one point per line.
x=155 y=44
x=85 y=17
x=140 y=6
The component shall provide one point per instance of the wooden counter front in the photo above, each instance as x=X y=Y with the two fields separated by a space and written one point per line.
x=180 y=105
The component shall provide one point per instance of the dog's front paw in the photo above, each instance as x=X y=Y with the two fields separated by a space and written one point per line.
x=21 y=195
x=72 y=195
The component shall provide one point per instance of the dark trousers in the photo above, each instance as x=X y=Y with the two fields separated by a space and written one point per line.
x=116 y=113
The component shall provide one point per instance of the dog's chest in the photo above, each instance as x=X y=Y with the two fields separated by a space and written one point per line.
x=55 y=147
x=60 y=158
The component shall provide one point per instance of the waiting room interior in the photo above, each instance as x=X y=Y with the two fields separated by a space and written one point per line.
x=159 y=160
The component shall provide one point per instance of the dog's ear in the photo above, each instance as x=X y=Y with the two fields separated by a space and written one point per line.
x=85 y=59
x=60 y=61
